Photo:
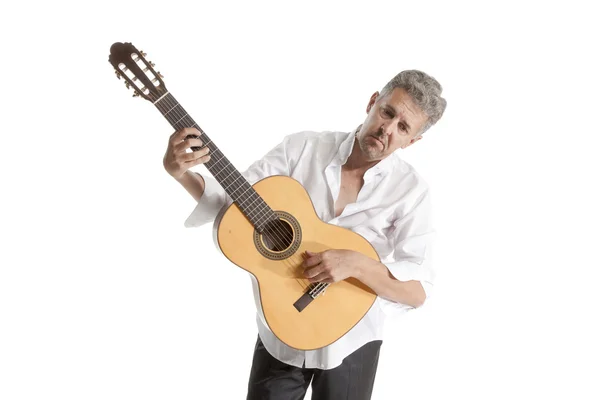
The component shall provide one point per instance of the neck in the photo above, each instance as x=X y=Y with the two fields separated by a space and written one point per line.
x=357 y=162
x=233 y=182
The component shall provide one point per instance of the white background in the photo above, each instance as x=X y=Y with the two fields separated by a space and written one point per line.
x=105 y=295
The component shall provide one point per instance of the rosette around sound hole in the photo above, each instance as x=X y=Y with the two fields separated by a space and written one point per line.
x=280 y=238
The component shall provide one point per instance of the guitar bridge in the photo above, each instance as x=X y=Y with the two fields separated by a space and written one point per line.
x=308 y=297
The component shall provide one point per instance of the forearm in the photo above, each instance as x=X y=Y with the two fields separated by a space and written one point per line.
x=379 y=278
x=193 y=183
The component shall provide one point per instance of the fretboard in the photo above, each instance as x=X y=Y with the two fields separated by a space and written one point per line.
x=234 y=183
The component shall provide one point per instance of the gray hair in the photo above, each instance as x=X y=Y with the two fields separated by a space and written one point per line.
x=424 y=90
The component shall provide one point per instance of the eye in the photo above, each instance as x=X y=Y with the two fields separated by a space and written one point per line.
x=387 y=113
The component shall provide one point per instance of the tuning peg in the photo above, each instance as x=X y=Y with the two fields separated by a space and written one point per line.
x=136 y=94
x=118 y=74
x=127 y=85
x=137 y=58
x=151 y=64
x=159 y=74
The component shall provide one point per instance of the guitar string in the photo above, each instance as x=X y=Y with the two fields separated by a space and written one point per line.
x=172 y=105
x=165 y=96
x=226 y=169
x=277 y=237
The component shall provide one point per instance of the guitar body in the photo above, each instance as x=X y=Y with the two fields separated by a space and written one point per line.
x=281 y=283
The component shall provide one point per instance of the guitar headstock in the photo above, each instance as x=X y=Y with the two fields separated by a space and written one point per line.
x=139 y=74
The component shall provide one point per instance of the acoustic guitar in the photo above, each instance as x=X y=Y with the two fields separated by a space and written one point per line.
x=266 y=230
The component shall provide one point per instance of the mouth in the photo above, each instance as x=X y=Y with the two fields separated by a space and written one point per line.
x=382 y=144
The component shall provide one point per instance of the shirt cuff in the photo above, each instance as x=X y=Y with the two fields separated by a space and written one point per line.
x=407 y=271
x=212 y=201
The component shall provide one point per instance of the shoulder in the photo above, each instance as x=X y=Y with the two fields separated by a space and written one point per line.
x=404 y=171
x=413 y=189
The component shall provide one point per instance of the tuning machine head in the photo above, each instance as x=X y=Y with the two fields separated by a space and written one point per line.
x=137 y=73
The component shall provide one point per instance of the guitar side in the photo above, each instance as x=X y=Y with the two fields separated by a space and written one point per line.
x=281 y=283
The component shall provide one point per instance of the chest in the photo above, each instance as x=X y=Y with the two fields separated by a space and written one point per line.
x=349 y=188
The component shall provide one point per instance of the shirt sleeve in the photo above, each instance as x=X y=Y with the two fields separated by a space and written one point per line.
x=209 y=205
x=215 y=198
x=412 y=235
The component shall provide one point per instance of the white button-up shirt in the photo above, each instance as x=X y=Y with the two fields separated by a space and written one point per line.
x=392 y=211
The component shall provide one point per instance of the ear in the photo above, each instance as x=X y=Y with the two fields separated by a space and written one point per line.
x=413 y=140
x=372 y=101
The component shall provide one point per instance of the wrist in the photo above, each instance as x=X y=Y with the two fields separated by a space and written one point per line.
x=360 y=270
x=183 y=176
x=193 y=183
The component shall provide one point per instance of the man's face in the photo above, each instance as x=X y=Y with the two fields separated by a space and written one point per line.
x=392 y=122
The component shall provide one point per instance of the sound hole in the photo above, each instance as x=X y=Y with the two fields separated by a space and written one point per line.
x=277 y=235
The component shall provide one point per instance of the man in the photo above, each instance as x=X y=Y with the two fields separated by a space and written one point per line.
x=356 y=180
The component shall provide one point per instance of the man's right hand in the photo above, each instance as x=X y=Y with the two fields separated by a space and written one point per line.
x=177 y=160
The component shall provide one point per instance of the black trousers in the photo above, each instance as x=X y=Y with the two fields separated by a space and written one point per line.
x=270 y=379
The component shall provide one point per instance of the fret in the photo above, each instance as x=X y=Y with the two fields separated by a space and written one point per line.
x=181 y=118
x=231 y=184
x=253 y=201
x=260 y=218
x=245 y=191
x=229 y=174
x=172 y=108
x=223 y=170
x=247 y=199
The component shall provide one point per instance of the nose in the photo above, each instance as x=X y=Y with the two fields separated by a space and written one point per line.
x=387 y=128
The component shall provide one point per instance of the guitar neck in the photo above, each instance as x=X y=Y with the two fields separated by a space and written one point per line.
x=232 y=181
